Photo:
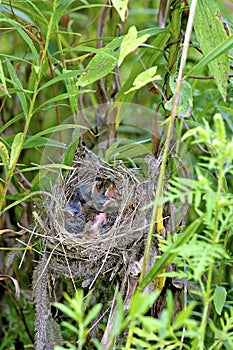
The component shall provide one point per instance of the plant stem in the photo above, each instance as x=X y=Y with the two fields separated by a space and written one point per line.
x=159 y=192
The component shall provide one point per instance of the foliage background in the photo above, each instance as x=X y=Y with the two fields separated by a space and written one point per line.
x=41 y=41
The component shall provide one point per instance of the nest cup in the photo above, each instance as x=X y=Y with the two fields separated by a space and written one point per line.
x=99 y=254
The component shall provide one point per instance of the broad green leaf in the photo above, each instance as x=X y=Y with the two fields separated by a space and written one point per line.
x=16 y=148
x=17 y=83
x=220 y=295
x=102 y=64
x=129 y=151
x=215 y=53
x=130 y=43
x=5 y=157
x=144 y=78
x=185 y=104
x=107 y=58
x=121 y=8
x=210 y=33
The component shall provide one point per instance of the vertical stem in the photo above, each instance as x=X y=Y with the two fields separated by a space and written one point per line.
x=159 y=192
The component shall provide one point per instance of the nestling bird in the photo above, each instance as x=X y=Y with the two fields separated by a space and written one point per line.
x=103 y=204
x=85 y=192
x=74 y=218
x=93 y=229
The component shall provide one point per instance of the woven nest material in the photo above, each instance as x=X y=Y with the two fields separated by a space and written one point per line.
x=91 y=254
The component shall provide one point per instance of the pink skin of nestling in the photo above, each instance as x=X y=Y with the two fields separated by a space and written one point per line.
x=99 y=219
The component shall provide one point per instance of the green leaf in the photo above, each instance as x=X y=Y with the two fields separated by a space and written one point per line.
x=61 y=97
x=210 y=33
x=220 y=295
x=25 y=37
x=5 y=157
x=17 y=83
x=140 y=303
x=121 y=8
x=16 y=148
x=70 y=152
x=51 y=130
x=107 y=58
x=131 y=43
x=69 y=326
x=92 y=314
x=65 y=75
x=128 y=151
x=170 y=253
x=39 y=141
x=185 y=103
x=144 y=78
x=2 y=76
x=30 y=44
x=73 y=90
x=11 y=121
x=66 y=310
x=102 y=64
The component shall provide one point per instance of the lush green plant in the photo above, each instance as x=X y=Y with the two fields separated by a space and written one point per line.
x=77 y=311
x=51 y=53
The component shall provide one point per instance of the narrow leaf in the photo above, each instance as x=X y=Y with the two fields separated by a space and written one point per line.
x=16 y=148
x=2 y=77
x=17 y=83
x=65 y=75
x=51 y=130
x=28 y=40
x=93 y=313
x=66 y=310
x=5 y=157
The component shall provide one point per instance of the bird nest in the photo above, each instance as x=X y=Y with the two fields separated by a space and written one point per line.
x=95 y=218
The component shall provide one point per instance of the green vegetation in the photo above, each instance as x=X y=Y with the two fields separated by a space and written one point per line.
x=154 y=79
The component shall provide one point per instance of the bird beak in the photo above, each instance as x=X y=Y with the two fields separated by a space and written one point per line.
x=68 y=213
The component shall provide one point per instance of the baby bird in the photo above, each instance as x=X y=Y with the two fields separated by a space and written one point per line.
x=74 y=219
x=93 y=229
